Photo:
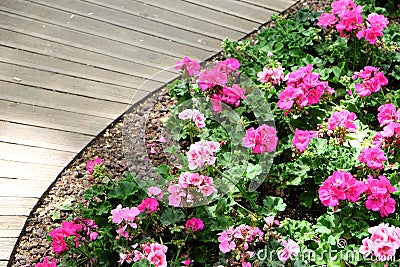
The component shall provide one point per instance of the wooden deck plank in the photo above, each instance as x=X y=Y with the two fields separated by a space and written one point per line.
x=50 y=16
x=200 y=12
x=50 y=99
x=42 y=137
x=136 y=23
x=22 y=188
x=240 y=9
x=271 y=4
x=170 y=18
x=10 y=226
x=16 y=206
x=61 y=83
x=51 y=118
x=42 y=62
x=75 y=54
x=86 y=41
x=6 y=247
x=28 y=171
x=34 y=155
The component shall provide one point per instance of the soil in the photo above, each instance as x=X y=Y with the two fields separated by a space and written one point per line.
x=69 y=187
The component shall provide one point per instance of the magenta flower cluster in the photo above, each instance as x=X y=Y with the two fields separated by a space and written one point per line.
x=342 y=185
x=46 y=263
x=373 y=157
x=347 y=17
x=201 y=153
x=273 y=76
x=344 y=119
x=194 y=224
x=302 y=139
x=79 y=228
x=190 y=67
x=155 y=253
x=379 y=199
x=372 y=81
x=90 y=165
x=240 y=239
x=383 y=243
x=389 y=119
x=194 y=115
x=261 y=140
x=303 y=88
x=229 y=95
x=190 y=181
x=376 y=25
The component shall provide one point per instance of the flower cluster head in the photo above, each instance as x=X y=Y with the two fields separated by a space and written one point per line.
x=345 y=15
x=340 y=185
x=79 y=228
x=195 y=224
x=273 y=76
x=228 y=95
x=155 y=191
x=91 y=166
x=372 y=81
x=149 y=205
x=373 y=157
x=202 y=152
x=188 y=184
x=303 y=88
x=240 y=240
x=261 y=140
x=125 y=217
x=302 y=139
x=228 y=65
x=269 y=222
x=383 y=243
x=379 y=199
x=190 y=67
x=208 y=79
x=46 y=263
x=376 y=25
x=194 y=115
x=389 y=119
x=344 y=119
x=289 y=248
x=154 y=253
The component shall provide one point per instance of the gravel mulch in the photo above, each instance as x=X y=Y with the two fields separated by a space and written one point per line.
x=70 y=186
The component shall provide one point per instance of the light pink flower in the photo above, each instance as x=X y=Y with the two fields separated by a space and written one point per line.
x=326 y=20
x=373 y=157
x=210 y=78
x=191 y=67
x=344 y=119
x=289 y=248
x=271 y=75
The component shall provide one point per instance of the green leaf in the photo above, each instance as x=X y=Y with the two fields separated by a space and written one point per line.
x=172 y=216
x=274 y=204
x=123 y=190
x=163 y=171
x=253 y=171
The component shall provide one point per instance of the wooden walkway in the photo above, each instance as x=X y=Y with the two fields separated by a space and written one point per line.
x=68 y=68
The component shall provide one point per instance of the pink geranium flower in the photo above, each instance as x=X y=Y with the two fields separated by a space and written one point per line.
x=372 y=81
x=195 y=224
x=302 y=139
x=191 y=67
x=373 y=157
x=271 y=75
x=326 y=20
x=210 y=78
x=344 y=119
x=46 y=263
x=149 y=205
x=290 y=248
x=201 y=153
x=261 y=140
x=387 y=114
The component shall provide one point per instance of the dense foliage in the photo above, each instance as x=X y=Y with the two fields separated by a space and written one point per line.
x=305 y=117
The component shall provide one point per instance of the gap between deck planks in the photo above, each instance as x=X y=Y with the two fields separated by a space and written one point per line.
x=68 y=68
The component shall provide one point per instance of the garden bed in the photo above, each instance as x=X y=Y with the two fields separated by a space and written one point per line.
x=291 y=190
